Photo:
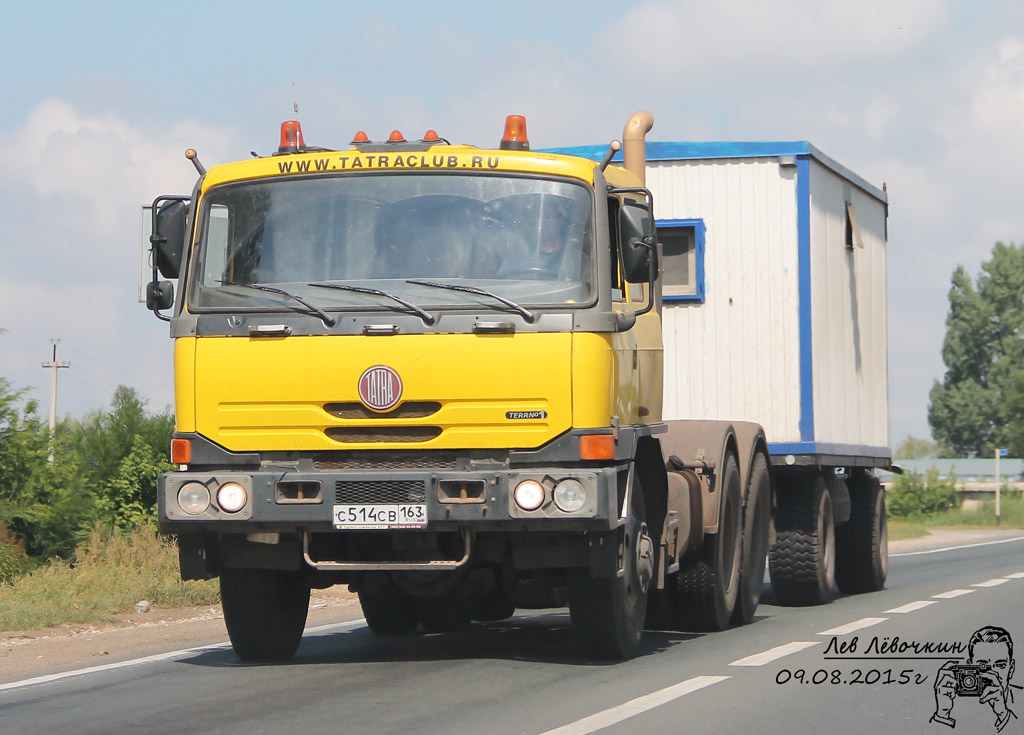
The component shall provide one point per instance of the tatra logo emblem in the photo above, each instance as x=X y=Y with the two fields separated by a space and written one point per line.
x=380 y=388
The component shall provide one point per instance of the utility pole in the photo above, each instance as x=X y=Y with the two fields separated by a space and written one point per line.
x=999 y=453
x=54 y=366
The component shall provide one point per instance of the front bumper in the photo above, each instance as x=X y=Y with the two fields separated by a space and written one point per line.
x=286 y=500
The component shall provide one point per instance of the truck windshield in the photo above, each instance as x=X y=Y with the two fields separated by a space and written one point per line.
x=527 y=240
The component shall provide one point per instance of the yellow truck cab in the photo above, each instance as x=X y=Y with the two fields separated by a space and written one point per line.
x=433 y=372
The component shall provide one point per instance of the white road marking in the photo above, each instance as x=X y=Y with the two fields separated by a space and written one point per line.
x=953 y=593
x=964 y=546
x=336 y=626
x=1015 y=575
x=634 y=707
x=168 y=656
x=991 y=582
x=766 y=657
x=912 y=606
x=46 y=679
x=855 y=625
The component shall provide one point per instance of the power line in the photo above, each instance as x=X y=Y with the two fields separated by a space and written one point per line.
x=105 y=365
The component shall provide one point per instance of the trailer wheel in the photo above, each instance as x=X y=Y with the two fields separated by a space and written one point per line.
x=265 y=612
x=756 y=521
x=388 y=611
x=608 y=611
x=862 y=553
x=708 y=588
x=802 y=560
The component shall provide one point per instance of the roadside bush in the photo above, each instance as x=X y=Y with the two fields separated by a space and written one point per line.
x=110 y=574
x=13 y=559
x=914 y=495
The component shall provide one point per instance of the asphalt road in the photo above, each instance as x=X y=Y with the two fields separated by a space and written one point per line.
x=777 y=675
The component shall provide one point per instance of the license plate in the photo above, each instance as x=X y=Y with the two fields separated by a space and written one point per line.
x=406 y=515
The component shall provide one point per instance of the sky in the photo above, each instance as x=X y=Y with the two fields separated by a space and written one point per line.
x=100 y=102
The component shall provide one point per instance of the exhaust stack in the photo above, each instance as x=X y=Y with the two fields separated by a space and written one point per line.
x=634 y=145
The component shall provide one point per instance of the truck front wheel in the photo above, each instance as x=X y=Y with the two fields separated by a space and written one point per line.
x=802 y=560
x=608 y=611
x=388 y=610
x=862 y=554
x=265 y=612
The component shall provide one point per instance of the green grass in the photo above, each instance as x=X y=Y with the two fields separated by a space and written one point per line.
x=110 y=574
x=900 y=529
x=1011 y=515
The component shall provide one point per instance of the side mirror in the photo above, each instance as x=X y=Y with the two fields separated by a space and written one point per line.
x=168 y=238
x=159 y=295
x=636 y=238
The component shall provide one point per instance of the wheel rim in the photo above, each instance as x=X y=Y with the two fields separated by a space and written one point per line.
x=828 y=553
x=644 y=561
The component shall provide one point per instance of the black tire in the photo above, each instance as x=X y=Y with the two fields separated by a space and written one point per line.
x=757 y=516
x=446 y=613
x=265 y=612
x=388 y=611
x=608 y=612
x=862 y=553
x=707 y=587
x=493 y=606
x=802 y=559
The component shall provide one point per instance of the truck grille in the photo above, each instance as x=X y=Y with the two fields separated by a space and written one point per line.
x=408 y=410
x=379 y=491
x=363 y=435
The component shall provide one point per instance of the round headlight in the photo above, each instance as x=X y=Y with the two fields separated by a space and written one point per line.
x=231 y=497
x=529 y=495
x=570 y=495
x=193 y=498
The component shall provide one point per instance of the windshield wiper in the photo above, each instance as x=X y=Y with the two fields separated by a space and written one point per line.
x=315 y=310
x=423 y=314
x=527 y=315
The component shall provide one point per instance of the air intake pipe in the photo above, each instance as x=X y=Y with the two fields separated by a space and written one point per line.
x=634 y=148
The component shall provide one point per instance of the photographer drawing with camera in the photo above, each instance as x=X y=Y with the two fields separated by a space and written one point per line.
x=986 y=676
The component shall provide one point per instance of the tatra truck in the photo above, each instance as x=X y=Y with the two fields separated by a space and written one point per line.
x=465 y=381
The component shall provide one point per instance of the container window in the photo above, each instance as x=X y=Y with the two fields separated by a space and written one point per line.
x=682 y=259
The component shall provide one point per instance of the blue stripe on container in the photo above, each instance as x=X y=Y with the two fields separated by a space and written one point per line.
x=803 y=244
x=682 y=151
x=844 y=450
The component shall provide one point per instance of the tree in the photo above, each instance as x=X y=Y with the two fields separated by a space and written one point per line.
x=914 y=448
x=104 y=469
x=979 y=405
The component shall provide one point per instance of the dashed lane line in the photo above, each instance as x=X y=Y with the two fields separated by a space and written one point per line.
x=953 y=593
x=855 y=625
x=1015 y=575
x=634 y=707
x=912 y=606
x=991 y=582
x=773 y=654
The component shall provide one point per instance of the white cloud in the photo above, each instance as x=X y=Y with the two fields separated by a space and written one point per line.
x=101 y=166
x=678 y=38
x=73 y=184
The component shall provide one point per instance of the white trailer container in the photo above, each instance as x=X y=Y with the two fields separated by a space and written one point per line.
x=774 y=295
